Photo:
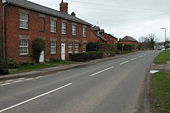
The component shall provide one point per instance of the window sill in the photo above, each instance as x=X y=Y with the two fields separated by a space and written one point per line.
x=23 y=28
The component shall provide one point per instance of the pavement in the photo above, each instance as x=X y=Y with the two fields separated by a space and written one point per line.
x=111 y=86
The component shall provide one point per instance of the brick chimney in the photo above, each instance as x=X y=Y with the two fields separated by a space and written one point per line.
x=73 y=14
x=64 y=7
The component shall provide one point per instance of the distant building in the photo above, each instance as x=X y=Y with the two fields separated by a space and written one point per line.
x=128 y=40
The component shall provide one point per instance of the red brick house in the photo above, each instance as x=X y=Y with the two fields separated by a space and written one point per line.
x=98 y=34
x=128 y=40
x=22 y=21
x=110 y=38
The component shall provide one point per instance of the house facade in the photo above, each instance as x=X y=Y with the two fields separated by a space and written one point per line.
x=22 y=21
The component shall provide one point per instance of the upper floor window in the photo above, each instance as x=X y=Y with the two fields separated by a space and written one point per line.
x=24 y=47
x=74 y=29
x=84 y=47
x=63 y=28
x=23 y=18
x=84 y=31
x=53 y=26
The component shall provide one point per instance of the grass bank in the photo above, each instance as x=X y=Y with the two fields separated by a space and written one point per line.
x=160 y=92
x=30 y=67
x=162 y=57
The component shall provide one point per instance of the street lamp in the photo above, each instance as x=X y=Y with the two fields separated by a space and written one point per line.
x=165 y=38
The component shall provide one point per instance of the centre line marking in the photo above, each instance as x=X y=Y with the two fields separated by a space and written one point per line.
x=31 y=99
x=124 y=62
x=101 y=71
x=5 y=84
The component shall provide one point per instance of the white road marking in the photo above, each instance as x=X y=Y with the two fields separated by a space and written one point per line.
x=17 y=81
x=140 y=56
x=124 y=62
x=9 y=81
x=5 y=84
x=38 y=77
x=101 y=71
x=133 y=58
x=29 y=79
x=21 y=78
x=31 y=99
x=1 y=82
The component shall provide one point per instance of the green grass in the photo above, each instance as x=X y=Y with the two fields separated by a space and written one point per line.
x=30 y=67
x=162 y=57
x=160 y=92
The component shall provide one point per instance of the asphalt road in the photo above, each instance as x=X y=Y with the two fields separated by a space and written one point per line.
x=112 y=86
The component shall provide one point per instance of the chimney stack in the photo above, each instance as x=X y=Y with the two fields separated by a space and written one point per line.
x=64 y=7
x=73 y=14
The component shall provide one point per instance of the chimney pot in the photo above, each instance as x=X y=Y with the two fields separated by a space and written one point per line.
x=73 y=14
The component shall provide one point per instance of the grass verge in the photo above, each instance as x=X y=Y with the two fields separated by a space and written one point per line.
x=162 y=57
x=30 y=67
x=160 y=92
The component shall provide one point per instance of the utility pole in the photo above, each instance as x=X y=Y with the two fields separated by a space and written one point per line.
x=165 y=38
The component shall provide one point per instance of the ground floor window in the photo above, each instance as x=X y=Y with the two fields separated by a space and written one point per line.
x=53 y=47
x=76 y=49
x=84 y=47
x=24 y=47
x=70 y=47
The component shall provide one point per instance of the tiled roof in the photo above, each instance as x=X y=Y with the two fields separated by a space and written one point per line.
x=128 y=38
x=39 y=8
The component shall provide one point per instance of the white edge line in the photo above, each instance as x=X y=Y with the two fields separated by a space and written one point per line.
x=124 y=62
x=101 y=71
x=134 y=59
x=31 y=99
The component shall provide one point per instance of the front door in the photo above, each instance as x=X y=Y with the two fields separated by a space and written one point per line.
x=63 y=51
x=41 y=60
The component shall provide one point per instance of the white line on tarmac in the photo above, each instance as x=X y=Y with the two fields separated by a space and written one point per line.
x=31 y=99
x=140 y=56
x=29 y=79
x=5 y=84
x=1 y=82
x=9 y=81
x=38 y=77
x=101 y=71
x=124 y=62
x=133 y=58
x=17 y=81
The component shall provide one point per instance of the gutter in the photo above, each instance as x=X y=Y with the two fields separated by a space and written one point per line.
x=4 y=30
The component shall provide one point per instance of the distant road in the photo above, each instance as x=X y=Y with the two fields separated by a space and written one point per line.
x=109 y=87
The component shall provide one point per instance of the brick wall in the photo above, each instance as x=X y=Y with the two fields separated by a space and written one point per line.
x=35 y=23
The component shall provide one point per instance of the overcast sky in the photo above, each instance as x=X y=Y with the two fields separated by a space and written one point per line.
x=121 y=17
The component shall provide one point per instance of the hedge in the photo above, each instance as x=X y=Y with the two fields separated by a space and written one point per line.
x=82 y=57
x=3 y=67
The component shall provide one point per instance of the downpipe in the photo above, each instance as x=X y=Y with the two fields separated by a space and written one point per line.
x=4 y=30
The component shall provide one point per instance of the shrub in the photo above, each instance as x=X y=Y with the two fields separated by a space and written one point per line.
x=12 y=64
x=38 y=46
x=125 y=47
x=52 y=60
x=82 y=57
x=3 y=67
x=92 y=46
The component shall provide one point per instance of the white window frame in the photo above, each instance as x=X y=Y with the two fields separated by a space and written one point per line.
x=84 y=31
x=74 y=29
x=84 y=47
x=63 y=28
x=24 y=47
x=23 y=18
x=53 y=47
x=53 y=26
x=76 y=48
x=70 y=47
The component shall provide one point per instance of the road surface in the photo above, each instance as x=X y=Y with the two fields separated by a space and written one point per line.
x=112 y=86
